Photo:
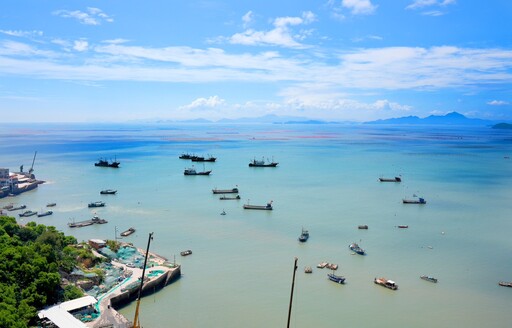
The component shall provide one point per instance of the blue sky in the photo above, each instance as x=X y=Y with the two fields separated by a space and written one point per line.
x=356 y=60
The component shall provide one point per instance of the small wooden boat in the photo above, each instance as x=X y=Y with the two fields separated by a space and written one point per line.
x=335 y=278
x=363 y=226
x=51 y=204
x=308 y=269
x=332 y=266
x=505 y=283
x=229 y=198
x=127 y=232
x=322 y=265
x=185 y=253
x=267 y=207
x=395 y=179
x=386 y=283
x=429 y=278
x=45 y=213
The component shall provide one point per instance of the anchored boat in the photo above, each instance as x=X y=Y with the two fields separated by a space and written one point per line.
x=414 y=201
x=304 y=236
x=96 y=204
x=229 y=198
x=128 y=232
x=429 y=278
x=395 y=179
x=45 y=213
x=335 y=278
x=192 y=171
x=108 y=192
x=355 y=248
x=386 y=283
x=262 y=163
x=267 y=207
x=225 y=191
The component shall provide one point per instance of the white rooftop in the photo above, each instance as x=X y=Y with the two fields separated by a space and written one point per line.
x=60 y=316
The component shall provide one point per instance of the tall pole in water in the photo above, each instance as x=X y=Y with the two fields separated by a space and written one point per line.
x=291 y=294
x=136 y=323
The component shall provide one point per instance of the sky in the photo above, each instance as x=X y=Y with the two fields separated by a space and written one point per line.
x=343 y=60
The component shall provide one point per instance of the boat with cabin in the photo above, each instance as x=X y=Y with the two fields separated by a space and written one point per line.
x=267 y=207
x=108 y=192
x=203 y=159
x=127 y=232
x=363 y=226
x=355 y=248
x=44 y=213
x=96 y=204
x=185 y=253
x=335 y=278
x=15 y=208
x=192 y=171
x=304 y=236
x=414 y=201
x=225 y=191
x=386 y=283
x=429 y=278
x=395 y=179
x=104 y=163
x=229 y=198
x=262 y=163
x=186 y=156
x=322 y=265
x=27 y=213
x=308 y=269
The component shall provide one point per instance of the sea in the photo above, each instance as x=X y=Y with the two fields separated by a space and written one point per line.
x=327 y=182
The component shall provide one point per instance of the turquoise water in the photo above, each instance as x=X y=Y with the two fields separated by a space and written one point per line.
x=239 y=274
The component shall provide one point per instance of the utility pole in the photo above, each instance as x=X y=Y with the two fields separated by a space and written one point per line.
x=291 y=294
x=136 y=323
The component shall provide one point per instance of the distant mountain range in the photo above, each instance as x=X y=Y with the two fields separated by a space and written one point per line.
x=452 y=118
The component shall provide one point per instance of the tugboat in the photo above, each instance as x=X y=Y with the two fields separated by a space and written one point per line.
x=96 y=204
x=335 y=278
x=355 y=248
x=429 y=278
x=396 y=179
x=304 y=236
x=257 y=163
x=267 y=207
x=386 y=283
x=104 y=163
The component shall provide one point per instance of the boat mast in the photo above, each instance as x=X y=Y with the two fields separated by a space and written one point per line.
x=136 y=323
x=291 y=294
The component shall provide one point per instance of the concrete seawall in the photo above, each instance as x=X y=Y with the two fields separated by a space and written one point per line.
x=149 y=287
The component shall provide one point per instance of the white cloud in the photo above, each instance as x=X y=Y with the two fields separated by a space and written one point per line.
x=116 y=41
x=205 y=103
x=281 y=35
x=359 y=7
x=19 y=33
x=93 y=16
x=418 y=4
x=81 y=45
x=498 y=103
x=433 y=13
x=247 y=18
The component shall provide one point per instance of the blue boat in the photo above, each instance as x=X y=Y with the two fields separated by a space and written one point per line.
x=335 y=278
x=355 y=248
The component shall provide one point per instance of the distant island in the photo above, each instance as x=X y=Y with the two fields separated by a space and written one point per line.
x=502 y=126
x=452 y=118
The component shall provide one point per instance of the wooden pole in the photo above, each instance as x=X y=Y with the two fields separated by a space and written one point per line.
x=291 y=294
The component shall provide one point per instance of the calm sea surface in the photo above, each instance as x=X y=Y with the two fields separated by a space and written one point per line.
x=327 y=182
